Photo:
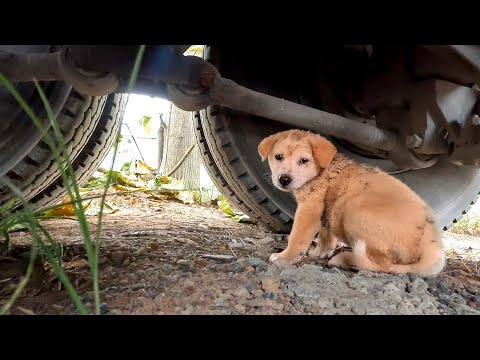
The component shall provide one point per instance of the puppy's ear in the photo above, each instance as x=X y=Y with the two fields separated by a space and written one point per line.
x=266 y=145
x=323 y=150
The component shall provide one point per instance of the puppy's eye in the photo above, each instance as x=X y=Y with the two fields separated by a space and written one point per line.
x=279 y=157
x=304 y=161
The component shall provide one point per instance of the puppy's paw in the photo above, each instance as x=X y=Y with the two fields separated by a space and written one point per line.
x=313 y=252
x=343 y=260
x=319 y=251
x=285 y=258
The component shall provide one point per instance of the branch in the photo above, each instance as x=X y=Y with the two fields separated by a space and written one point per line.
x=175 y=168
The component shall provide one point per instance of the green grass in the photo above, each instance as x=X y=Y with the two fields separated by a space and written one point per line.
x=42 y=242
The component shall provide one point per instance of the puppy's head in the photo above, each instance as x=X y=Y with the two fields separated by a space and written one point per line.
x=295 y=157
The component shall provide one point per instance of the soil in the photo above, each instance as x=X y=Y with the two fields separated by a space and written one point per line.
x=164 y=257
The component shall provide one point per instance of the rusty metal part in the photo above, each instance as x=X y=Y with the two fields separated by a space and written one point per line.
x=227 y=93
x=413 y=141
x=54 y=66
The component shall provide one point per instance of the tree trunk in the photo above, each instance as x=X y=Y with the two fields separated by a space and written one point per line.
x=179 y=137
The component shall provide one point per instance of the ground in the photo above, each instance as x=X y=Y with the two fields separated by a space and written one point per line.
x=164 y=257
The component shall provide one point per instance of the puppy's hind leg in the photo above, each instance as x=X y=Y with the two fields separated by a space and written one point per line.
x=326 y=245
x=355 y=260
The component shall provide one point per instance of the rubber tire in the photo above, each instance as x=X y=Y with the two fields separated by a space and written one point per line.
x=228 y=142
x=89 y=126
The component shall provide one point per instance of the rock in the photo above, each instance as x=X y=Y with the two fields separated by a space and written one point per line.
x=104 y=309
x=443 y=288
x=416 y=286
x=281 y=237
x=154 y=246
x=257 y=293
x=261 y=234
x=235 y=245
x=256 y=263
x=220 y=258
x=141 y=251
x=117 y=257
x=241 y=291
x=102 y=260
x=266 y=240
x=268 y=295
x=358 y=311
x=126 y=262
x=392 y=287
x=188 y=310
x=471 y=290
x=249 y=269
x=235 y=267
x=201 y=262
x=89 y=296
x=412 y=277
x=270 y=284
x=275 y=305
x=184 y=265
x=240 y=308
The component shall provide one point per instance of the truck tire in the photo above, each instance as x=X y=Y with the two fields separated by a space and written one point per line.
x=228 y=142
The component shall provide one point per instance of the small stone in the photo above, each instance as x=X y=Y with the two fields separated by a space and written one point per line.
x=275 y=305
x=358 y=311
x=235 y=267
x=412 y=277
x=102 y=260
x=241 y=291
x=268 y=295
x=141 y=251
x=256 y=263
x=270 y=284
x=154 y=246
x=104 y=309
x=266 y=240
x=240 y=308
x=261 y=234
x=221 y=302
x=393 y=287
x=471 y=290
x=443 y=288
x=89 y=296
x=281 y=237
x=472 y=304
x=220 y=258
x=235 y=245
x=201 y=262
x=189 y=310
x=257 y=293
x=126 y=262
x=184 y=265
x=118 y=257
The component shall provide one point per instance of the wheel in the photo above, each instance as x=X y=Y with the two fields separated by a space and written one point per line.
x=88 y=124
x=228 y=142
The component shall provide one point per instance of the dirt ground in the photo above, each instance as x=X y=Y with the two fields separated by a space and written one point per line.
x=170 y=258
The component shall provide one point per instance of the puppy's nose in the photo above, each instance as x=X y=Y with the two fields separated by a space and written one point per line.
x=284 y=179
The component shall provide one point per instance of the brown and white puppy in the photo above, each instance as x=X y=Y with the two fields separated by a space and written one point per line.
x=387 y=225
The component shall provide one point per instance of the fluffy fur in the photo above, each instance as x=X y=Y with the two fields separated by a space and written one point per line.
x=387 y=225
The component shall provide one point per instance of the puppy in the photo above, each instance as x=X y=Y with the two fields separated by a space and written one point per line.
x=388 y=227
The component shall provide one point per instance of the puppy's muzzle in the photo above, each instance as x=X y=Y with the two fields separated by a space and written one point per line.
x=284 y=180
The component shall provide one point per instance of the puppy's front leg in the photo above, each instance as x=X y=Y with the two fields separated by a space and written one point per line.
x=306 y=224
